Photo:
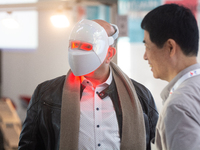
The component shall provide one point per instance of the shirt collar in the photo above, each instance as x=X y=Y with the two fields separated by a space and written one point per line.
x=165 y=92
x=107 y=82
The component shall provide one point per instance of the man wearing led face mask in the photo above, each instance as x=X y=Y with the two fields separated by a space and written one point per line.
x=94 y=106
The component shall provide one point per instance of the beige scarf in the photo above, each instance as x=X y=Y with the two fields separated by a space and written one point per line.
x=133 y=127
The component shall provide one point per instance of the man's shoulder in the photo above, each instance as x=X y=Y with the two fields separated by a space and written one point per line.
x=55 y=82
x=141 y=89
x=186 y=98
x=187 y=92
x=145 y=97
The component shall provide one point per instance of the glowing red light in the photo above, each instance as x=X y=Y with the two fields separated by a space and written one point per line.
x=75 y=44
x=81 y=45
x=86 y=46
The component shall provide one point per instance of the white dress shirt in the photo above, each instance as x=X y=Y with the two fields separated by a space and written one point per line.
x=98 y=121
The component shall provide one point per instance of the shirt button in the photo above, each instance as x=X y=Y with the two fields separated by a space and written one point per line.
x=97 y=92
x=97 y=109
x=99 y=144
x=98 y=126
x=87 y=81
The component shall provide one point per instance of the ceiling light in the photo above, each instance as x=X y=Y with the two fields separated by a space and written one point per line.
x=60 y=20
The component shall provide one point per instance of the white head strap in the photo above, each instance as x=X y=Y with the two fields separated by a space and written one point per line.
x=115 y=35
x=112 y=38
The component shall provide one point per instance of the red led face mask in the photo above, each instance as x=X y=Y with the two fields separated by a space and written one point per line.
x=81 y=45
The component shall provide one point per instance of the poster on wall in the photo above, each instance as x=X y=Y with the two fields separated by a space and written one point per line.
x=93 y=12
x=135 y=10
x=191 y=4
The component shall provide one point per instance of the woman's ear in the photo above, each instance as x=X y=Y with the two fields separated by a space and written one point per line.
x=110 y=54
